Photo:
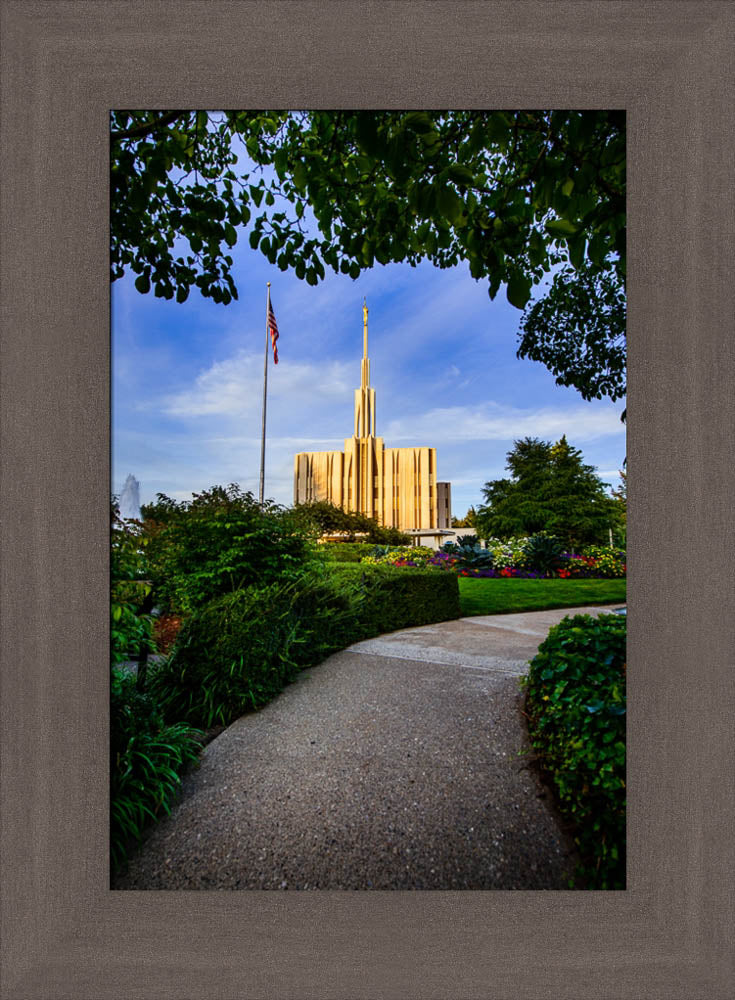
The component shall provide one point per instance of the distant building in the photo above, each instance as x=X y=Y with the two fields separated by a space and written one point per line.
x=396 y=486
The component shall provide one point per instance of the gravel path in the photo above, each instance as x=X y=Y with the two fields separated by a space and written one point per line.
x=392 y=765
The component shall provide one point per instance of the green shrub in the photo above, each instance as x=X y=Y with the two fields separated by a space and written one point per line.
x=399 y=555
x=239 y=651
x=231 y=655
x=320 y=517
x=219 y=542
x=395 y=598
x=543 y=552
x=469 y=556
x=575 y=703
x=347 y=551
x=147 y=758
x=131 y=628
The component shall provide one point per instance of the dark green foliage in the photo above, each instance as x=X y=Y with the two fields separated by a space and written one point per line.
x=543 y=553
x=321 y=517
x=131 y=627
x=236 y=653
x=219 y=542
x=469 y=556
x=581 y=317
x=239 y=651
x=395 y=598
x=550 y=490
x=231 y=655
x=147 y=758
x=575 y=703
x=510 y=193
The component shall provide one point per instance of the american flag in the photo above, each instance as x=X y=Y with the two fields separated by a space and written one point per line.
x=273 y=327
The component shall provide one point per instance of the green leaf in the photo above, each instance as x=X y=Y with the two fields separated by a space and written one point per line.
x=536 y=248
x=449 y=204
x=418 y=121
x=562 y=227
x=519 y=290
x=299 y=175
x=461 y=175
x=143 y=282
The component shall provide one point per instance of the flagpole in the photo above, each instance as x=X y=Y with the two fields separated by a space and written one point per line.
x=265 y=393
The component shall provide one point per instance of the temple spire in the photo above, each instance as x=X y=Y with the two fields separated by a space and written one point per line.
x=364 y=396
x=365 y=366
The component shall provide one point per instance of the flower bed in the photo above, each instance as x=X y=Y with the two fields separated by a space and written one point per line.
x=508 y=561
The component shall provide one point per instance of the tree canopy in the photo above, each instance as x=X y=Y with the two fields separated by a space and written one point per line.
x=321 y=517
x=550 y=489
x=513 y=194
x=578 y=331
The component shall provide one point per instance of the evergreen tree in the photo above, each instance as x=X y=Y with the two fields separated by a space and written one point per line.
x=550 y=489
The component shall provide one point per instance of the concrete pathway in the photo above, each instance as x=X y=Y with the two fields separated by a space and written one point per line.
x=392 y=765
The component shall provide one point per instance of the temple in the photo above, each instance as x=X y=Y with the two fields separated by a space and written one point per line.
x=396 y=486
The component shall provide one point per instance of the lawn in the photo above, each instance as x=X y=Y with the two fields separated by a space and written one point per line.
x=497 y=597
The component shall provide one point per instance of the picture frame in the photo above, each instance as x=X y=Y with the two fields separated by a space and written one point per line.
x=64 y=932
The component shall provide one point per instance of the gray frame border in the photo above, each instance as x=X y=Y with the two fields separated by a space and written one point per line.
x=64 y=64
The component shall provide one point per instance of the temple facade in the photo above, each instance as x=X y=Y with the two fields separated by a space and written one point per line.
x=396 y=486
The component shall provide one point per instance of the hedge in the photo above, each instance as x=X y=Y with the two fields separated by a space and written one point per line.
x=239 y=651
x=575 y=704
x=395 y=598
x=347 y=551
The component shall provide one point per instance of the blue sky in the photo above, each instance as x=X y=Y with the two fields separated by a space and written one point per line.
x=187 y=380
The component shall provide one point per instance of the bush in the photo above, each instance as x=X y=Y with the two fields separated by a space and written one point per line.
x=147 y=758
x=466 y=556
x=240 y=650
x=231 y=655
x=575 y=703
x=320 y=517
x=395 y=598
x=130 y=624
x=399 y=555
x=347 y=551
x=543 y=553
x=220 y=542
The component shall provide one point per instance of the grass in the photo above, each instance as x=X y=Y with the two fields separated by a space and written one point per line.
x=497 y=597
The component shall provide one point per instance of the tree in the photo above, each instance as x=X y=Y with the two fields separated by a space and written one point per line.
x=550 y=490
x=468 y=521
x=320 y=517
x=221 y=540
x=620 y=496
x=578 y=331
x=511 y=193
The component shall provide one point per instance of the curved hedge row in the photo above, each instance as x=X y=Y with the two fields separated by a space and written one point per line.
x=240 y=650
x=575 y=703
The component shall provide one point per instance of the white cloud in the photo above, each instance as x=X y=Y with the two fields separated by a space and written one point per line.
x=234 y=388
x=491 y=422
